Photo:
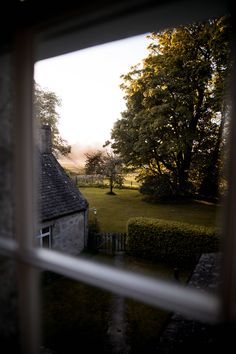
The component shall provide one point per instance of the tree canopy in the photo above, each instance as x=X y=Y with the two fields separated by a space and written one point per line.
x=107 y=164
x=176 y=107
x=46 y=103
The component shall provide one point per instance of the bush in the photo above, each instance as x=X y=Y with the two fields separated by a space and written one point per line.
x=158 y=187
x=93 y=223
x=163 y=188
x=174 y=242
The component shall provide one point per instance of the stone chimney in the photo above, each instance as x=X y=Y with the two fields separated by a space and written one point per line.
x=45 y=139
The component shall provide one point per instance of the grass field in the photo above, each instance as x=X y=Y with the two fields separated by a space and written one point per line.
x=113 y=211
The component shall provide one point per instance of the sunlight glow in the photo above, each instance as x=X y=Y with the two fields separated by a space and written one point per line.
x=87 y=82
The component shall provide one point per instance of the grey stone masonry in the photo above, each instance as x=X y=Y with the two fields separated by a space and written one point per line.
x=184 y=335
x=69 y=234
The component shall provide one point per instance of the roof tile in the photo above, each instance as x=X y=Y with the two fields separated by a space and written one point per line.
x=58 y=194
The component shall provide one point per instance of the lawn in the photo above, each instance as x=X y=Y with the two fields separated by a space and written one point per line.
x=113 y=211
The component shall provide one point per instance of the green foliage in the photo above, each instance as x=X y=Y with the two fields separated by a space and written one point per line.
x=94 y=229
x=46 y=103
x=94 y=225
x=176 y=110
x=106 y=164
x=158 y=187
x=94 y=163
x=170 y=241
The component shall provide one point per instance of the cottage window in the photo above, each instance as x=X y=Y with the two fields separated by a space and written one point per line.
x=45 y=237
x=119 y=21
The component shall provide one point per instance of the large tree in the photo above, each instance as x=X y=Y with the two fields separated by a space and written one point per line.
x=176 y=108
x=46 y=103
x=107 y=164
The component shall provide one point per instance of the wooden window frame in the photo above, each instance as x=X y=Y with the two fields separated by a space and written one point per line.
x=32 y=260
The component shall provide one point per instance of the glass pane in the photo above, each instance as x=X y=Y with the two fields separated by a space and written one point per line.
x=46 y=242
x=159 y=157
x=151 y=191
x=45 y=230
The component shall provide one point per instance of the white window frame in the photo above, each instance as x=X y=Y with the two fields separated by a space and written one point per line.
x=42 y=234
x=31 y=260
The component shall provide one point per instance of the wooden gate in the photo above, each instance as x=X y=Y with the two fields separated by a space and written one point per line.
x=109 y=242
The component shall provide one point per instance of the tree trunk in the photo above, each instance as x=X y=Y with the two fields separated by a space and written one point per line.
x=186 y=154
x=210 y=183
x=111 y=185
x=184 y=182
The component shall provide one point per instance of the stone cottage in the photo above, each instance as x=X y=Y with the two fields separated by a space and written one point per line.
x=63 y=224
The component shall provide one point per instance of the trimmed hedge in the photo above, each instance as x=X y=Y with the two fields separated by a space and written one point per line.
x=170 y=241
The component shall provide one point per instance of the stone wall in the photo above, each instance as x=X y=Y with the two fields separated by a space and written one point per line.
x=69 y=233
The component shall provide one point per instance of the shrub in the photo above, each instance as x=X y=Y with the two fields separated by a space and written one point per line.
x=94 y=225
x=163 y=188
x=157 y=187
x=93 y=231
x=169 y=241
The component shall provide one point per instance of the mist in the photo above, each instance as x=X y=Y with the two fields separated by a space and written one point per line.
x=75 y=161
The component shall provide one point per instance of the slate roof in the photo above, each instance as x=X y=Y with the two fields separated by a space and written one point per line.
x=58 y=194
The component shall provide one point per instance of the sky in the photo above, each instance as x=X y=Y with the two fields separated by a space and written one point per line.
x=87 y=82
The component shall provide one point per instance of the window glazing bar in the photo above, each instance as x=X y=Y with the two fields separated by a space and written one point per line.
x=25 y=190
x=163 y=294
x=155 y=292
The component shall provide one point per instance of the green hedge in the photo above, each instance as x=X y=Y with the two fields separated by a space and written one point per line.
x=169 y=241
